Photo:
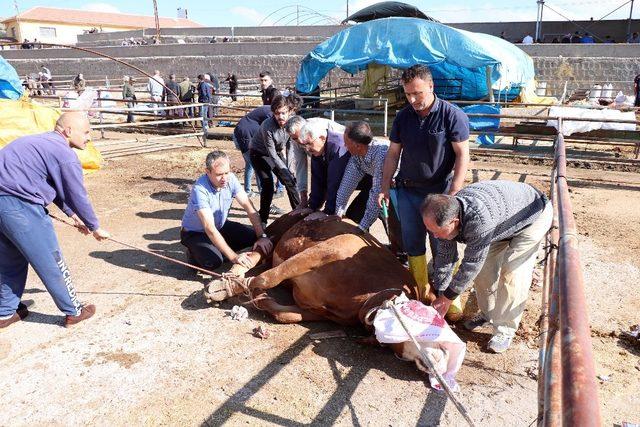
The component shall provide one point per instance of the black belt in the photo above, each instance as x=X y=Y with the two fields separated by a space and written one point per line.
x=408 y=183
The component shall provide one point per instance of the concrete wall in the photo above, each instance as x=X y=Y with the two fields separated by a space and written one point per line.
x=283 y=31
x=582 y=50
x=283 y=67
x=579 y=65
x=515 y=31
x=174 y=50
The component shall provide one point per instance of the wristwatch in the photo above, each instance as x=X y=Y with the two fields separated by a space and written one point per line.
x=264 y=236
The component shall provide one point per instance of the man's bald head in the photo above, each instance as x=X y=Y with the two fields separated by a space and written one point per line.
x=74 y=126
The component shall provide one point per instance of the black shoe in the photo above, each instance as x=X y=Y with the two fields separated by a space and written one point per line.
x=20 y=314
x=274 y=210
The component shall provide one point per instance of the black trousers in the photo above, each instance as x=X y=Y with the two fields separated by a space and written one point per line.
x=264 y=167
x=205 y=254
x=358 y=206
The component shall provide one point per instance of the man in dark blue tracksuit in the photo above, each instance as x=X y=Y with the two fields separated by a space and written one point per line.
x=35 y=171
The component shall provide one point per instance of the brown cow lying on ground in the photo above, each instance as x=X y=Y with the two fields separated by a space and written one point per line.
x=336 y=271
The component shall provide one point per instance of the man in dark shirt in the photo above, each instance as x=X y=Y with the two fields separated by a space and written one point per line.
x=576 y=38
x=268 y=90
x=35 y=171
x=245 y=130
x=233 y=85
x=636 y=90
x=215 y=93
x=204 y=96
x=329 y=159
x=266 y=152
x=171 y=97
x=432 y=136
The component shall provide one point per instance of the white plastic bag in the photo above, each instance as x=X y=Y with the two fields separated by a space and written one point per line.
x=430 y=330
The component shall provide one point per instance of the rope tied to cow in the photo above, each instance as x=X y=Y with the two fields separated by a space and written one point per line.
x=367 y=317
x=229 y=279
x=155 y=254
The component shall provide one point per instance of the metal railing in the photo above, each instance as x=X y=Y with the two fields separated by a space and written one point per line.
x=567 y=389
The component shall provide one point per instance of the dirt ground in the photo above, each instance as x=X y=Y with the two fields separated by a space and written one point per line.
x=156 y=354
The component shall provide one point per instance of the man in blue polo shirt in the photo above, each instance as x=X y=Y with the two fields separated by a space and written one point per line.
x=207 y=233
x=35 y=171
x=432 y=136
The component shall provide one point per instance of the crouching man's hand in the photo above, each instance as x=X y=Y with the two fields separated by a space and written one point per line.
x=264 y=245
x=441 y=305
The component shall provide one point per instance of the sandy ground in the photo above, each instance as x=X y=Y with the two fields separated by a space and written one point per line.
x=156 y=353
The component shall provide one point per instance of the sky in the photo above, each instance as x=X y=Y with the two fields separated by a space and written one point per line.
x=254 y=12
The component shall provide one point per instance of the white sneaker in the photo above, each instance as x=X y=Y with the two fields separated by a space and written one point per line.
x=500 y=342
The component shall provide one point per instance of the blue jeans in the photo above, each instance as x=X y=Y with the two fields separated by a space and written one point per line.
x=27 y=237
x=248 y=173
x=204 y=113
x=248 y=168
x=414 y=233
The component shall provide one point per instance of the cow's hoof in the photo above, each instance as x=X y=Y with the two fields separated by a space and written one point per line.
x=215 y=291
x=225 y=287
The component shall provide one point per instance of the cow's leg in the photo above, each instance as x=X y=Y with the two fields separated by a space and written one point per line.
x=297 y=265
x=231 y=283
x=285 y=313
x=254 y=256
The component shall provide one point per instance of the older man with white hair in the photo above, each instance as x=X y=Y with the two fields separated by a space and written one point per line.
x=324 y=140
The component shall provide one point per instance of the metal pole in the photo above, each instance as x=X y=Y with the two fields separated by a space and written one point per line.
x=629 y=22
x=386 y=115
x=333 y=116
x=540 y=24
x=155 y=14
x=580 y=405
x=100 y=116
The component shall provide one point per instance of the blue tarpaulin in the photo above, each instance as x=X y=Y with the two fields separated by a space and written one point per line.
x=10 y=84
x=483 y=123
x=403 y=42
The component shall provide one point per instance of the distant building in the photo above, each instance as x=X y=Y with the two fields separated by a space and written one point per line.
x=56 y=25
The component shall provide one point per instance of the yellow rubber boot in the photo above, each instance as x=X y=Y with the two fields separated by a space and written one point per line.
x=455 y=311
x=418 y=268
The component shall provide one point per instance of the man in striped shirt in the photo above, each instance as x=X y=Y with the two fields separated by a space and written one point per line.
x=367 y=158
x=366 y=163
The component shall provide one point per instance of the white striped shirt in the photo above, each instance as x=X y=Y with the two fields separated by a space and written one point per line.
x=357 y=168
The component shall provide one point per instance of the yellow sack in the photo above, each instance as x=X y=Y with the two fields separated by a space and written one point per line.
x=23 y=117
x=528 y=96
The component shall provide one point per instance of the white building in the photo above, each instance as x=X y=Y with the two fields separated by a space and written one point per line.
x=55 y=25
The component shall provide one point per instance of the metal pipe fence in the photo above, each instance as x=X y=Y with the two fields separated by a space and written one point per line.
x=567 y=389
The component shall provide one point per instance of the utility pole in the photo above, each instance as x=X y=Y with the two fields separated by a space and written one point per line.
x=629 y=22
x=539 y=20
x=18 y=34
x=347 y=9
x=155 y=14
